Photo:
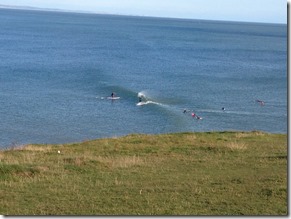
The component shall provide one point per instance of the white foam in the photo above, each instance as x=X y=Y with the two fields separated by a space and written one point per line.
x=149 y=102
x=141 y=94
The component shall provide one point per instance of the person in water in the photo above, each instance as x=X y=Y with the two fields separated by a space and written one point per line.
x=262 y=103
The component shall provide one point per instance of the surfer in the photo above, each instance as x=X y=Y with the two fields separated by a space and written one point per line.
x=193 y=115
x=223 y=109
x=198 y=117
x=139 y=99
x=262 y=103
x=112 y=94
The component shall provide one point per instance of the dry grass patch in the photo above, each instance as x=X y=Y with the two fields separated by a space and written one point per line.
x=249 y=134
x=191 y=137
x=36 y=148
x=236 y=145
x=242 y=135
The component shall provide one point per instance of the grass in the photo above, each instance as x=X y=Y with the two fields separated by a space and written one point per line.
x=212 y=173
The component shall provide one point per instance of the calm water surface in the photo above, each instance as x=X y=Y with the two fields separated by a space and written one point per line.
x=57 y=70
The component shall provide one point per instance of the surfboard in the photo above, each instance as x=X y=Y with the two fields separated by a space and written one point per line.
x=147 y=102
x=141 y=103
x=113 y=98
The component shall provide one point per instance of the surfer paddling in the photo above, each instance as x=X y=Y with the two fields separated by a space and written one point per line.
x=262 y=103
x=198 y=117
x=186 y=111
x=193 y=114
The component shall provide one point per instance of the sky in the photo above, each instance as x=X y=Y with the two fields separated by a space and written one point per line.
x=266 y=11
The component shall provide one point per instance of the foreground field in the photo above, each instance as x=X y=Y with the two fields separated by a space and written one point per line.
x=213 y=173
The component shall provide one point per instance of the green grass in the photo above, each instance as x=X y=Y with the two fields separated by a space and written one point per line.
x=212 y=173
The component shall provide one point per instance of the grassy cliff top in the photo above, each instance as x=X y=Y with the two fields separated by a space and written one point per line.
x=211 y=173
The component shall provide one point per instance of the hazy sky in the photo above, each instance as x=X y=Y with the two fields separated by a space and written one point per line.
x=270 y=11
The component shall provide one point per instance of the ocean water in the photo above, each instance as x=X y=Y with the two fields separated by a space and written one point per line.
x=57 y=70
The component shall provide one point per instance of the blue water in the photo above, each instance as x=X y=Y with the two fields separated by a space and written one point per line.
x=58 y=68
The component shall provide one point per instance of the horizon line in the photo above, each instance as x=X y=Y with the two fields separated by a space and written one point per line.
x=33 y=8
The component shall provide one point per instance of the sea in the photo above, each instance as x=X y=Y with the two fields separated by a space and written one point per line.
x=58 y=69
